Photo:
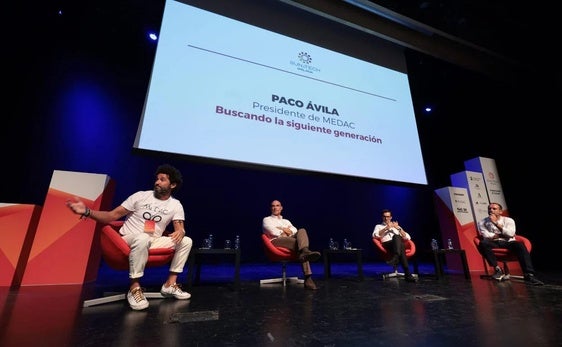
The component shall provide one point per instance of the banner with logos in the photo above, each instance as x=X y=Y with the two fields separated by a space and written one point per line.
x=489 y=171
x=474 y=182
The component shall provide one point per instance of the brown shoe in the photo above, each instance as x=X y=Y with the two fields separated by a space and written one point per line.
x=308 y=255
x=309 y=284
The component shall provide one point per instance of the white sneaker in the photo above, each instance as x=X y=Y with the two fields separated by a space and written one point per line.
x=498 y=274
x=175 y=291
x=136 y=299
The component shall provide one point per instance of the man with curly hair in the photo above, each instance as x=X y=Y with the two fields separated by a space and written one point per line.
x=147 y=214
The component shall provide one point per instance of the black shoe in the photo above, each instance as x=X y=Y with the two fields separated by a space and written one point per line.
x=531 y=279
x=308 y=255
x=394 y=260
x=411 y=278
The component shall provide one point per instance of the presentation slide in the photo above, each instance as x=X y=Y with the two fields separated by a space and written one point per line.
x=224 y=89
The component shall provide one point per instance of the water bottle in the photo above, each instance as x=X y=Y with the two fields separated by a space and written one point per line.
x=211 y=240
x=345 y=244
x=434 y=245
x=449 y=244
x=237 y=242
x=331 y=245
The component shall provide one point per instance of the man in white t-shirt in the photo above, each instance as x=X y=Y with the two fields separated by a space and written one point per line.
x=147 y=214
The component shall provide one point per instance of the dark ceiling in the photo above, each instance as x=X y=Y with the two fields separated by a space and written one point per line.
x=515 y=30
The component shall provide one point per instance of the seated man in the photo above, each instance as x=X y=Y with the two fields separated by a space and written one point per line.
x=498 y=231
x=392 y=236
x=282 y=233
x=147 y=214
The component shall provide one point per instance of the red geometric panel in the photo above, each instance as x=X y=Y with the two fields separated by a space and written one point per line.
x=65 y=249
x=18 y=224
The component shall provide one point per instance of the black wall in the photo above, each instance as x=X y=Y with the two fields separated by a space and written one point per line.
x=75 y=92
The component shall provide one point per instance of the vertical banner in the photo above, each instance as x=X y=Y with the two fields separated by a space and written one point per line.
x=66 y=248
x=456 y=221
x=489 y=171
x=474 y=182
x=18 y=224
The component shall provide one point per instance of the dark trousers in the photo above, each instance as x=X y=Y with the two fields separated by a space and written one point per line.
x=396 y=246
x=486 y=245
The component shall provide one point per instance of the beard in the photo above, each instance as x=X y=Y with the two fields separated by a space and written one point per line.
x=160 y=192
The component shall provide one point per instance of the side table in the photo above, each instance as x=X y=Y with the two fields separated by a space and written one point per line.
x=195 y=259
x=328 y=254
x=439 y=258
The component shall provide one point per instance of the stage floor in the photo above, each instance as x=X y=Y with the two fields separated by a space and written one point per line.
x=344 y=311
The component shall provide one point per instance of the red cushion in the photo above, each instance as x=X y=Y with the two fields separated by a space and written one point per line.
x=115 y=250
x=275 y=253
x=503 y=254
x=409 y=246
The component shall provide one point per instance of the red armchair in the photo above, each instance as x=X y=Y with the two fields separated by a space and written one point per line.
x=503 y=256
x=281 y=255
x=410 y=248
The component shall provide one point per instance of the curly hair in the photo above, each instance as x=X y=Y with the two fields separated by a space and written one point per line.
x=173 y=174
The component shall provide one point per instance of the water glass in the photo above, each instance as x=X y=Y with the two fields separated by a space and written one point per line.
x=227 y=244
x=206 y=244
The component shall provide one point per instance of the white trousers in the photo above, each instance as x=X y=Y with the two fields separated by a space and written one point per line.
x=141 y=243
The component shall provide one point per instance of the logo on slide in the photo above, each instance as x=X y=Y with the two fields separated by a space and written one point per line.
x=305 y=58
x=303 y=63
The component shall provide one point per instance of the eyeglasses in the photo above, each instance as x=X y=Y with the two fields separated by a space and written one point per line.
x=386 y=216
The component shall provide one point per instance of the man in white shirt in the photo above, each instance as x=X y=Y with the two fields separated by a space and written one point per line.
x=282 y=233
x=392 y=235
x=498 y=231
